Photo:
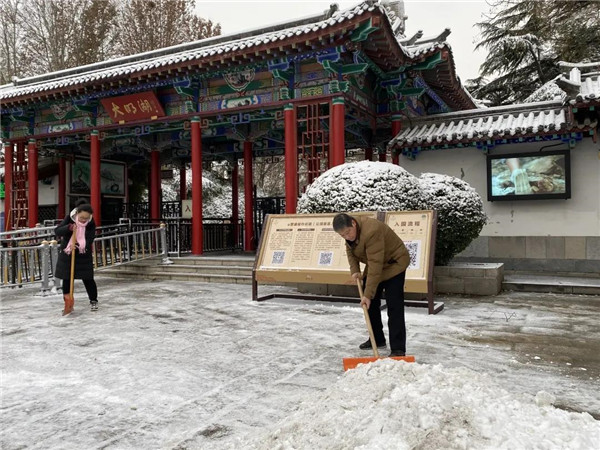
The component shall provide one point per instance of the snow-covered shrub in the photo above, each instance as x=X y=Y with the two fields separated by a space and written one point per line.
x=216 y=194
x=362 y=186
x=460 y=213
x=376 y=186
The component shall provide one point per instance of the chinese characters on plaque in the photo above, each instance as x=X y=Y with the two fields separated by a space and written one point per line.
x=126 y=108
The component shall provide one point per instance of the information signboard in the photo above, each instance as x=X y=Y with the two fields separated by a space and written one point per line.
x=304 y=248
x=416 y=229
x=301 y=248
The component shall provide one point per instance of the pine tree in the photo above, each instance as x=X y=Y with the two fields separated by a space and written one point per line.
x=525 y=40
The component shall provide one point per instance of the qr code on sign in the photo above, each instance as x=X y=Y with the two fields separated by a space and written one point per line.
x=325 y=258
x=414 y=250
x=278 y=256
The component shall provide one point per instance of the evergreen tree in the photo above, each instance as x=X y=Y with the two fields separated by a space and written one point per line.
x=525 y=40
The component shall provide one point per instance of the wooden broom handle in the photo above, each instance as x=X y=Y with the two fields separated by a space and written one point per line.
x=73 y=238
x=367 y=320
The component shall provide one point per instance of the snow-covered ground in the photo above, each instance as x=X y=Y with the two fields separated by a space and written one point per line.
x=175 y=365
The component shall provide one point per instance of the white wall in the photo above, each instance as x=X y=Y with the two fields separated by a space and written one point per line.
x=48 y=193
x=577 y=216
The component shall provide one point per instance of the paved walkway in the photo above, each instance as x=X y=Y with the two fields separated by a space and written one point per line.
x=179 y=365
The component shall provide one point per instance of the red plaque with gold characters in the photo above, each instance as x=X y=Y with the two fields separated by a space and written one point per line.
x=127 y=108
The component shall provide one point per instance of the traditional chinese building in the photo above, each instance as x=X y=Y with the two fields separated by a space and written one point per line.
x=307 y=90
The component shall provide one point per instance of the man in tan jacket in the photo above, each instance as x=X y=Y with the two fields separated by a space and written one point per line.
x=372 y=242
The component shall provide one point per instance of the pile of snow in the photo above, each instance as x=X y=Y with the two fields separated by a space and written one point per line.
x=397 y=405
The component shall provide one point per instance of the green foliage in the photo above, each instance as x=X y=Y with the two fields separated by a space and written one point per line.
x=460 y=214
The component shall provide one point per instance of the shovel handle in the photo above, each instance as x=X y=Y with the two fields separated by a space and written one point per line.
x=72 y=280
x=367 y=320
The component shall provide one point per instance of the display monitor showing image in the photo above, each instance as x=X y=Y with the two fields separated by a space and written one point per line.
x=529 y=176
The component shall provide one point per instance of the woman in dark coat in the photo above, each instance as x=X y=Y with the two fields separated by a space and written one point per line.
x=80 y=222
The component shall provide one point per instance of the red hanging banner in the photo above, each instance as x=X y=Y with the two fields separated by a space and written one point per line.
x=127 y=108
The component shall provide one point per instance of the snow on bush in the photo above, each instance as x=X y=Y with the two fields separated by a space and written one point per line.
x=460 y=213
x=397 y=405
x=362 y=186
x=377 y=186
x=216 y=195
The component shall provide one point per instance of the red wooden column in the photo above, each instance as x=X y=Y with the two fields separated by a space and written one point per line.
x=197 y=235
x=291 y=158
x=95 y=176
x=396 y=128
x=154 y=185
x=337 y=143
x=8 y=184
x=32 y=171
x=382 y=157
x=62 y=188
x=235 y=195
x=182 y=183
x=248 y=200
x=235 y=212
x=369 y=154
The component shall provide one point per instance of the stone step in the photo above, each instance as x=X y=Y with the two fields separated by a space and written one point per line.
x=551 y=284
x=214 y=261
x=134 y=273
x=191 y=268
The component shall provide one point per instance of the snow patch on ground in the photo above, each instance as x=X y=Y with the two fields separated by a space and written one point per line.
x=397 y=405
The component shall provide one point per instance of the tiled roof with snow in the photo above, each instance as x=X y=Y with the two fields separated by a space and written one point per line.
x=549 y=91
x=219 y=45
x=589 y=90
x=424 y=49
x=445 y=83
x=493 y=123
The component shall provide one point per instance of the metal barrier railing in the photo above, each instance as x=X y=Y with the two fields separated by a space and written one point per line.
x=27 y=264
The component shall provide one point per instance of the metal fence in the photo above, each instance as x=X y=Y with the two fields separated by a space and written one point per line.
x=24 y=261
x=218 y=234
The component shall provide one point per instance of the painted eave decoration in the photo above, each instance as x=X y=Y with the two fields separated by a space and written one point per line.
x=568 y=113
x=369 y=26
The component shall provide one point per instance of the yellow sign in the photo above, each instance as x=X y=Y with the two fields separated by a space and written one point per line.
x=303 y=248
x=415 y=228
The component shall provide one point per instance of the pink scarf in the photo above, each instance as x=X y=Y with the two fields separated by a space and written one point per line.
x=79 y=236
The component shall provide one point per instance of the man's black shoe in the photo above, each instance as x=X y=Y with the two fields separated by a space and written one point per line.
x=367 y=345
x=396 y=353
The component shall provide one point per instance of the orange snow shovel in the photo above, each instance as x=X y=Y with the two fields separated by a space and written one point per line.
x=351 y=363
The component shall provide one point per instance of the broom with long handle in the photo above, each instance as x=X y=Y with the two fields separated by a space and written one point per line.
x=72 y=266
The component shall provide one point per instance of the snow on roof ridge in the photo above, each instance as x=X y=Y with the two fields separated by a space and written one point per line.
x=578 y=65
x=186 y=46
x=483 y=112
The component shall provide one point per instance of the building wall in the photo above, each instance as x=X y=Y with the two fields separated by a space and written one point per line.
x=536 y=235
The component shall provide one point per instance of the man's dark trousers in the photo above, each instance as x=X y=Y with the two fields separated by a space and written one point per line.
x=394 y=296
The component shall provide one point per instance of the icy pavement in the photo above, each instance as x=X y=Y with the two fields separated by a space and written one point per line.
x=176 y=365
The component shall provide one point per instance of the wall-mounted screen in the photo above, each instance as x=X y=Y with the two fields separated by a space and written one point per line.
x=529 y=176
